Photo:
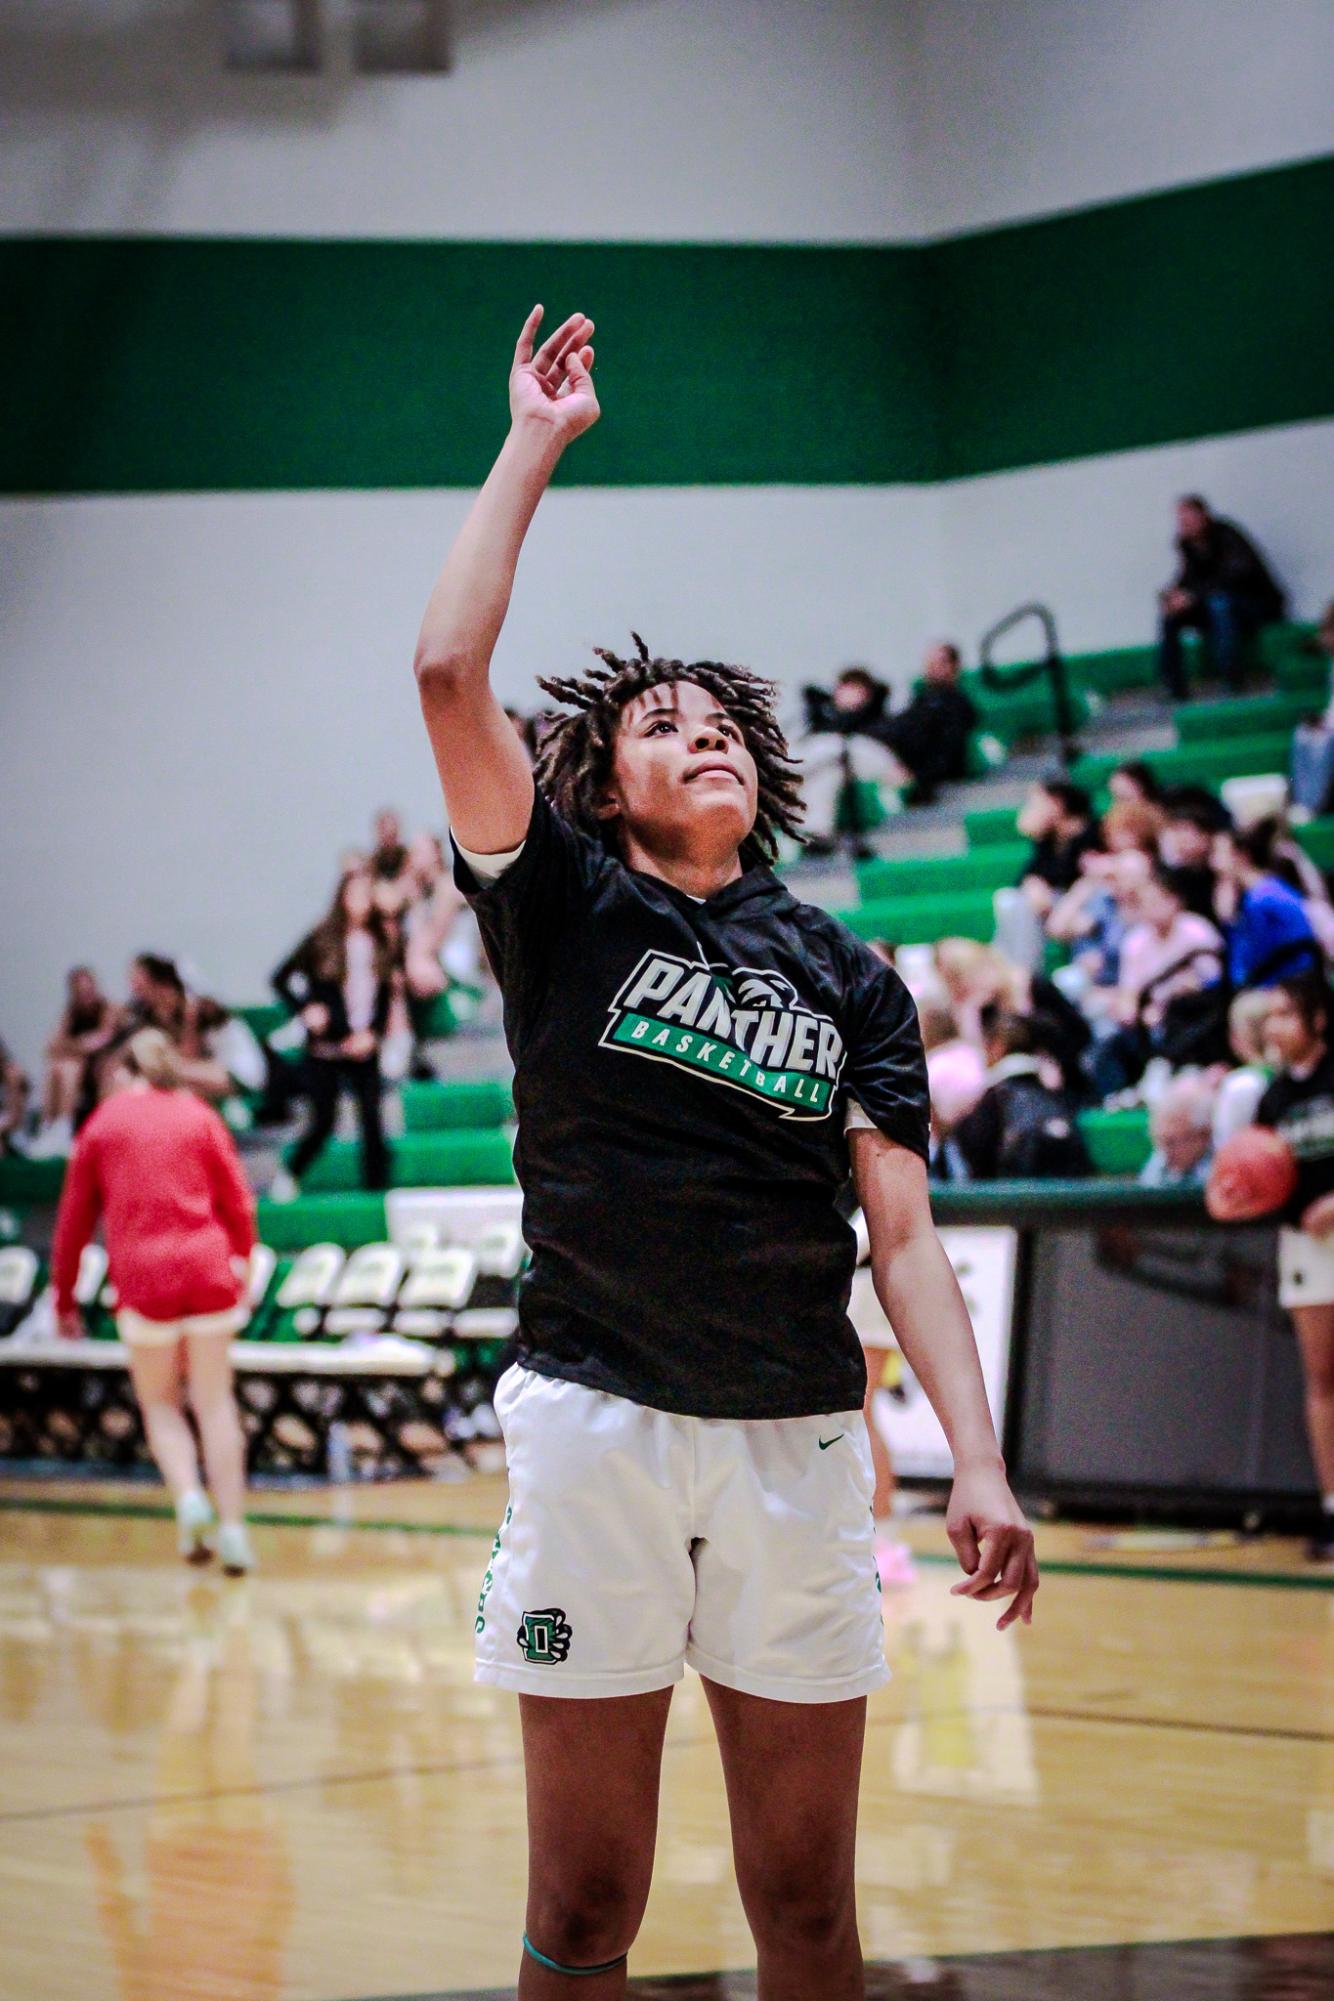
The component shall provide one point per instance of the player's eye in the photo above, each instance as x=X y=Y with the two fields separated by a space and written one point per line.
x=662 y=724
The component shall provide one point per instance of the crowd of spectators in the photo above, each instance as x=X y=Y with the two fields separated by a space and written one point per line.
x=1169 y=928
x=357 y=988
x=1131 y=960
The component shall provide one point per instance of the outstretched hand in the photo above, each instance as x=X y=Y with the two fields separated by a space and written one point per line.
x=554 y=386
x=993 y=1543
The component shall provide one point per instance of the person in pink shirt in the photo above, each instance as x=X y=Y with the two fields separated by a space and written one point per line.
x=1163 y=935
x=1166 y=951
x=157 y=1166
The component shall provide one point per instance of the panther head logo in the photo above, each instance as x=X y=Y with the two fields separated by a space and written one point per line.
x=755 y=988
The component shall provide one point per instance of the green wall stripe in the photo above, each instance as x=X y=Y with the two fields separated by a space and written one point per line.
x=1182 y=315
x=170 y=364
x=166 y=364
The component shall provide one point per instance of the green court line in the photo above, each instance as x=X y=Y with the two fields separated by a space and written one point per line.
x=26 y=1504
x=156 y=1511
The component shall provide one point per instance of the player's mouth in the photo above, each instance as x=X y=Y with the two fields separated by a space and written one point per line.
x=718 y=767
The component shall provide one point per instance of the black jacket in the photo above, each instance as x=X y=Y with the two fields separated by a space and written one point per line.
x=304 y=980
x=1225 y=559
x=931 y=734
x=825 y=718
x=1020 y=1129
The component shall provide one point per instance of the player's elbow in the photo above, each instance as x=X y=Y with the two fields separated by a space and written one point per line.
x=442 y=671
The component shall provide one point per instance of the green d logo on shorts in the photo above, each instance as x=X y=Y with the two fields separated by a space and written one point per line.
x=544 y=1637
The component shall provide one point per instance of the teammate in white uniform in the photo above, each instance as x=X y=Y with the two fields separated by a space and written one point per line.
x=699 y=1058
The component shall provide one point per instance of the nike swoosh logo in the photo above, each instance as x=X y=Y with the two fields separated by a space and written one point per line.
x=825 y=1443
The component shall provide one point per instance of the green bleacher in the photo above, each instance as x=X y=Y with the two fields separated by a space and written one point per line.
x=941 y=875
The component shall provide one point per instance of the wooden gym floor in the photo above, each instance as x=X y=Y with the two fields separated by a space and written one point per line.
x=288 y=1788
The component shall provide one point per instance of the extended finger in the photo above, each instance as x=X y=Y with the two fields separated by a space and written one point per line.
x=578 y=363
x=558 y=344
x=523 y=346
x=558 y=377
x=1022 y=1608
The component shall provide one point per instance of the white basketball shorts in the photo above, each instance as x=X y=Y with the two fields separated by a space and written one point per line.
x=636 y=1540
x=1305 y=1269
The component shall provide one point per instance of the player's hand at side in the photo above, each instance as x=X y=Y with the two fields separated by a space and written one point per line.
x=1318 y=1216
x=993 y=1543
x=554 y=386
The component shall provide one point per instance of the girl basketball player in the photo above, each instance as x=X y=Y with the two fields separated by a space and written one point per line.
x=1299 y=1105
x=689 y=1470
x=159 y=1167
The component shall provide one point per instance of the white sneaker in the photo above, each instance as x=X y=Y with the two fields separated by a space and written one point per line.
x=234 y=1551
x=283 y=1187
x=194 y=1525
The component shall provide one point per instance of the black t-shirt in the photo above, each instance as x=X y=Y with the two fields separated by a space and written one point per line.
x=682 y=1071
x=1056 y=857
x=1301 y=1110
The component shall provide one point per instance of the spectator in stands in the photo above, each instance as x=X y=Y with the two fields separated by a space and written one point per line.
x=1284 y=857
x=1269 y=935
x=87 y=1023
x=1223 y=589
x=1092 y=918
x=1024 y=1127
x=218 y=1053
x=1240 y=1089
x=1057 y=818
x=1313 y=742
x=929 y=735
x=956 y=1071
x=161 y=1171
x=1181 y=1125
x=845 y=742
x=1167 y=953
x=1186 y=844
x=157 y=995
x=1135 y=783
x=340 y=980
x=14 y=1091
x=389 y=855
x=978 y=979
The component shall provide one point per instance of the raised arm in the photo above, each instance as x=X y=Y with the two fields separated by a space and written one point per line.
x=486 y=777
x=915 y=1283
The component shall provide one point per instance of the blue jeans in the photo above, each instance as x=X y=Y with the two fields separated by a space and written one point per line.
x=1227 y=621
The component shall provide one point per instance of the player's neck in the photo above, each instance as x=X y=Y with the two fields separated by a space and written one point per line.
x=696 y=875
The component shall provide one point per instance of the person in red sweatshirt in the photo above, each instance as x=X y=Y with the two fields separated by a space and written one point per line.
x=159 y=1169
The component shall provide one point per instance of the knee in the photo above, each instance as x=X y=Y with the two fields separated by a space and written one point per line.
x=789 y=1911
x=586 y=1920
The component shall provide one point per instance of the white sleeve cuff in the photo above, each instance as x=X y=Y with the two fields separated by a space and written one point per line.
x=489 y=868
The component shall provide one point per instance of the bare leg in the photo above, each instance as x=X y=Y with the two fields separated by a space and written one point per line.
x=882 y=1504
x=1315 y=1336
x=792 y=1772
x=592 y=1771
x=213 y=1400
x=156 y=1374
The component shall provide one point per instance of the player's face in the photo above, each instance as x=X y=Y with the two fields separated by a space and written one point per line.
x=681 y=772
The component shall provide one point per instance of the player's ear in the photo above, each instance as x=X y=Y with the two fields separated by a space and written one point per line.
x=607 y=805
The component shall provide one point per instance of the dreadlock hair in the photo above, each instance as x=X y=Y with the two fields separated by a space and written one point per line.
x=574 y=765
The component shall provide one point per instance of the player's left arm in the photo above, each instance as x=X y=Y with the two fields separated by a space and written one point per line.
x=915 y=1283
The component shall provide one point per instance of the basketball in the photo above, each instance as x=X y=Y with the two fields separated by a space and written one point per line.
x=1253 y=1174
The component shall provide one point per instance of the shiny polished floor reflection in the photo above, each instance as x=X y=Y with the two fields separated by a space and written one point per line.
x=288 y=1789
x=1243 y=1969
